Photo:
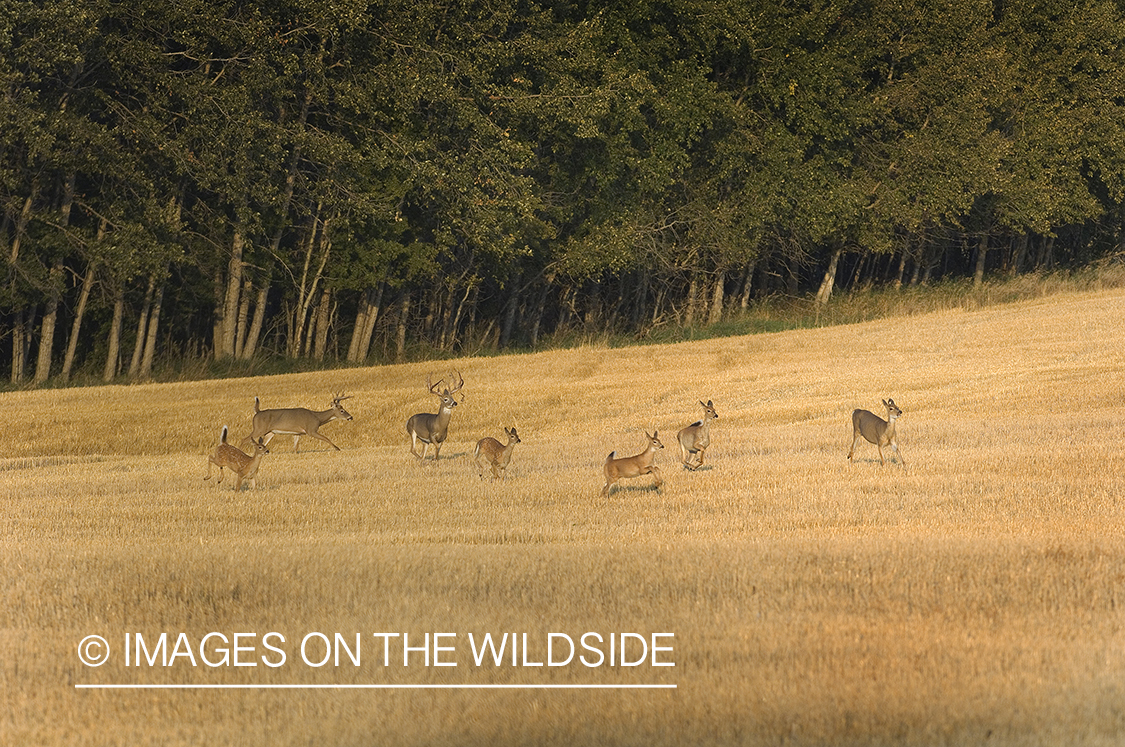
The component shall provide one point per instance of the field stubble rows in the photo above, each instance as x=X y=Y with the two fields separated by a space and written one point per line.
x=974 y=595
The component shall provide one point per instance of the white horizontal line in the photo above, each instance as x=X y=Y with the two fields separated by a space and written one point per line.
x=372 y=687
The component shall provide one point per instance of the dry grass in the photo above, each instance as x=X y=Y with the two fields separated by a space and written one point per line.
x=974 y=596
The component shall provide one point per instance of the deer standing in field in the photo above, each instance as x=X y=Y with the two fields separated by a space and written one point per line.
x=295 y=422
x=490 y=452
x=430 y=428
x=697 y=437
x=866 y=424
x=633 y=466
x=244 y=466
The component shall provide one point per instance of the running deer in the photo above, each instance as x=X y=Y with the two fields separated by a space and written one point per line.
x=295 y=422
x=244 y=466
x=490 y=452
x=880 y=432
x=697 y=437
x=633 y=466
x=430 y=428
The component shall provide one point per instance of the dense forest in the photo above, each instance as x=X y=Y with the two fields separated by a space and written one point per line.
x=337 y=180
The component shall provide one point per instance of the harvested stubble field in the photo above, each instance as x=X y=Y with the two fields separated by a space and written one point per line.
x=976 y=595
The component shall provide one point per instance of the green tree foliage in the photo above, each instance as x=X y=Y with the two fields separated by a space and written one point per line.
x=304 y=177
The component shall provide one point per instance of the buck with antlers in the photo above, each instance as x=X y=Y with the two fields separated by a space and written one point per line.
x=697 y=437
x=295 y=422
x=490 y=452
x=634 y=466
x=430 y=428
x=244 y=466
x=866 y=424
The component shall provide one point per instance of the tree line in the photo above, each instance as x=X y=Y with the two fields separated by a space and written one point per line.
x=344 y=180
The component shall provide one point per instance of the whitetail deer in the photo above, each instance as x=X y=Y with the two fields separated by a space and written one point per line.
x=430 y=428
x=295 y=422
x=490 y=452
x=244 y=466
x=697 y=437
x=866 y=424
x=633 y=466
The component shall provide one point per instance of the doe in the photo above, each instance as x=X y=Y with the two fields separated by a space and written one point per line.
x=697 y=437
x=490 y=452
x=244 y=466
x=868 y=425
x=634 y=466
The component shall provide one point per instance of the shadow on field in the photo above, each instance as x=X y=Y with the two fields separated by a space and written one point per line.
x=634 y=489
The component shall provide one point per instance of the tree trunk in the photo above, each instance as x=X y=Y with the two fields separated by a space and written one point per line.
x=21 y=224
x=747 y=285
x=19 y=344
x=366 y=317
x=150 y=338
x=234 y=286
x=255 y=333
x=220 y=313
x=400 y=333
x=537 y=317
x=50 y=315
x=50 y=318
x=242 y=327
x=692 y=295
x=79 y=314
x=308 y=287
x=717 y=298
x=863 y=258
x=323 y=320
x=982 y=253
x=110 y=369
x=510 y=313
x=361 y=312
x=829 y=281
x=142 y=325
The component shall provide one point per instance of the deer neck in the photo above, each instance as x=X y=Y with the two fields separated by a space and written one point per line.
x=889 y=426
x=445 y=414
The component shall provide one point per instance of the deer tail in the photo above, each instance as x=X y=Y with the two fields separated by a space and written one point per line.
x=224 y=437
x=257 y=406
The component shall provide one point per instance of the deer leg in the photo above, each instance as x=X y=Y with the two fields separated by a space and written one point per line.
x=324 y=438
x=880 y=447
x=900 y=459
x=700 y=459
x=659 y=478
x=855 y=440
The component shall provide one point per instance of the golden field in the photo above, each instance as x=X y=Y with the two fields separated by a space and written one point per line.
x=975 y=595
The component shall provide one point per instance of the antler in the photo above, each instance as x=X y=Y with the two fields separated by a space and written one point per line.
x=460 y=383
x=432 y=387
x=340 y=398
